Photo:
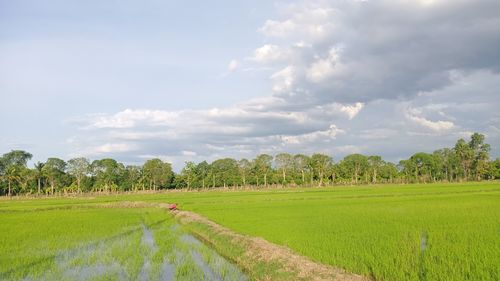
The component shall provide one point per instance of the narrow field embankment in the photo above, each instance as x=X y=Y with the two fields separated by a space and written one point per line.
x=260 y=259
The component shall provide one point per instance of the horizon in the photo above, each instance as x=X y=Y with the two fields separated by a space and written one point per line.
x=199 y=81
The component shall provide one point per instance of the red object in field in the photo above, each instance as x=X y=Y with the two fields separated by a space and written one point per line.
x=172 y=207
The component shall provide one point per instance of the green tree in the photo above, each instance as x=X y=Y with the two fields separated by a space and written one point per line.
x=375 y=162
x=244 y=168
x=158 y=173
x=39 y=175
x=107 y=173
x=481 y=156
x=133 y=178
x=189 y=173
x=495 y=169
x=263 y=166
x=13 y=163
x=423 y=164
x=465 y=156
x=201 y=172
x=284 y=162
x=78 y=168
x=54 y=171
x=301 y=163
x=320 y=164
x=225 y=172
x=355 y=165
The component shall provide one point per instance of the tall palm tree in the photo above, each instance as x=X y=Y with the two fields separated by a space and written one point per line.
x=39 y=174
x=12 y=175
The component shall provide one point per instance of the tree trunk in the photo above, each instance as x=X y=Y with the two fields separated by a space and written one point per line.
x=78 y=181
x=39 y=185
x=265 y=180
x=9 y=188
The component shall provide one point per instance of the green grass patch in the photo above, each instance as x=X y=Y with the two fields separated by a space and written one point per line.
x=390 y=232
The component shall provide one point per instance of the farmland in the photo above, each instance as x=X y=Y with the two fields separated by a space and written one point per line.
x=388 y=232
x=96 y=243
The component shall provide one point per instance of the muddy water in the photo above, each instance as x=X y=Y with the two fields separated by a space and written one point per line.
x=214 y=268
x=114 y=259
x=149 y=242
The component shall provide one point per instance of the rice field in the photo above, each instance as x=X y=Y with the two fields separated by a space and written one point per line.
x=391 y=232
x=91 y=243
x=431 y=232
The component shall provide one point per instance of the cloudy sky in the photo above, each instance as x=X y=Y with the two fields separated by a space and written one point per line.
x=195 y=80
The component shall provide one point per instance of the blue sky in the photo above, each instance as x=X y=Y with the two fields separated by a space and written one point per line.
x=194 y=80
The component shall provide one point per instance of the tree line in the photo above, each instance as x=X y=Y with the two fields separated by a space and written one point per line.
x=466 y=161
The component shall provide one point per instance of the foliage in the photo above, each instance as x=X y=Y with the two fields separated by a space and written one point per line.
x=466 y=161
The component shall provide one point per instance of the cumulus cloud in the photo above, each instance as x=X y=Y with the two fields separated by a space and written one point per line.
x=284 y=80
x=270 y=53
x=323 y=68
x=322 y=135
x=367 y=50
x=433 y=125
x=350 y=110
x=129 y=118
x=377 y=77
x=310 y=21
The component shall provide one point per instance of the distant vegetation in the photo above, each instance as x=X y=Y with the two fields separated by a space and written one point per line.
x=466 y=161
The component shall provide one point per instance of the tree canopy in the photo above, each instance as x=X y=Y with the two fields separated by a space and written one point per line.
x=467 y=160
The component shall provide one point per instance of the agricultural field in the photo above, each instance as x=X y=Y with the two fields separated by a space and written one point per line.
x=386 y=232
x=91 y=242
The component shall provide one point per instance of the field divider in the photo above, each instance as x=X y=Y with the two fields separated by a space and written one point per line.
x=257 y=257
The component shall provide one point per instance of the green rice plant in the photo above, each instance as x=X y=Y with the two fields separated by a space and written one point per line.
x=389 y=232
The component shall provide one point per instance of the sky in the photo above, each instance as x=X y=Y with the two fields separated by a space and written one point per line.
x=201 y=80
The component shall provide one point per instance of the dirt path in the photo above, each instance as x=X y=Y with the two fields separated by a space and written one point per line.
x=274 y=262
x=258 y=251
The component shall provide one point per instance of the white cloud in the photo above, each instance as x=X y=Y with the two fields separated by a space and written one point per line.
x=277 y=28
x=433 y=125
x=283 y=80
x=232 y=66
x=352 y=59
x=129 y=118
x=324 y=135
x=105 y=149
x=114 y=147
x=350 y=110
x=324 y=68
x=270 y=53
x=397 y=62
x=305 y=21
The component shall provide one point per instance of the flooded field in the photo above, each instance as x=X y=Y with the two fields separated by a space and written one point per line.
x=155 y=249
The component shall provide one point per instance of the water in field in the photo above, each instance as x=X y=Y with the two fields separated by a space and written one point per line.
x=159 y=251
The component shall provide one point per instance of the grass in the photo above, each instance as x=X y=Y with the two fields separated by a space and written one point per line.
x=434 y=232
x=92 y=242
x=390 y=232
